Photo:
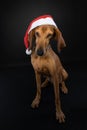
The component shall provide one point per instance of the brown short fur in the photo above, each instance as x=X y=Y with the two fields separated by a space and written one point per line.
x=46 y=62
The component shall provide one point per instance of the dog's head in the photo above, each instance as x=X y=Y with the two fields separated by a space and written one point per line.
x=41 y=37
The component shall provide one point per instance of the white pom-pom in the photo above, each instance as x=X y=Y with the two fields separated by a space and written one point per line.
x=28 y=52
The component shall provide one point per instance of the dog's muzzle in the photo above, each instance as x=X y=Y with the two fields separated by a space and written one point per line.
x=40 y=52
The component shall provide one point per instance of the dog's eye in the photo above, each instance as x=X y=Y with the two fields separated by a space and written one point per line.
x=49 y=35
x=37 y=34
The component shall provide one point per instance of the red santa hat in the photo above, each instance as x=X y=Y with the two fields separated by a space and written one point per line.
x=41 y=20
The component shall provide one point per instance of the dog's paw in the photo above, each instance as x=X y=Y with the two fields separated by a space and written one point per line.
x=64 y=90
x=60 y=116
x=35 y=103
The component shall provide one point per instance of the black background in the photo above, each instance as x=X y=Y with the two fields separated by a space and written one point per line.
x=17 y=78
x=70 y=17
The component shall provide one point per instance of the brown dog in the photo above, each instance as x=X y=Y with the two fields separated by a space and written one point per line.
x=46 y=62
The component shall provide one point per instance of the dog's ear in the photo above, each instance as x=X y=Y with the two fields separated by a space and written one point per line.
x=31 y=38
x=59 y=38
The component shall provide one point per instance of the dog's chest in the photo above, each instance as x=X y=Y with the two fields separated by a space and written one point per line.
x=42 y=66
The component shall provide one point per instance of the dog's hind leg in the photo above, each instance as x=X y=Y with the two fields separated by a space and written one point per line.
x=63 y=77
x=64 y=74
x=44 y=84
x=64 y=88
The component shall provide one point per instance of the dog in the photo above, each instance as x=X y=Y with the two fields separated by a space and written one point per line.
x=47 y=63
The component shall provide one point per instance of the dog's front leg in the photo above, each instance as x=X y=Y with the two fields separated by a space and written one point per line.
x=36 y=101
x=59 y=114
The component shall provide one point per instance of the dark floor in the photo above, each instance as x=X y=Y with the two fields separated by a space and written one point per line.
x=17 y=90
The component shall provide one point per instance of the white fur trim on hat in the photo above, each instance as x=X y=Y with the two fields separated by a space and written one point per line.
x=28 y=52
x=42 y=21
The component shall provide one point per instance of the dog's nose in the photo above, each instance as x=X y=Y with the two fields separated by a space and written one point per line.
x=40 y=52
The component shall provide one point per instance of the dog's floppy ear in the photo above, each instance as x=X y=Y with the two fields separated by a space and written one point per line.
x=28 y=39
x=59 y=38
x=31 y=37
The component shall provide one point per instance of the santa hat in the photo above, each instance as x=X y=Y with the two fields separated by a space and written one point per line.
x=42 y=20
